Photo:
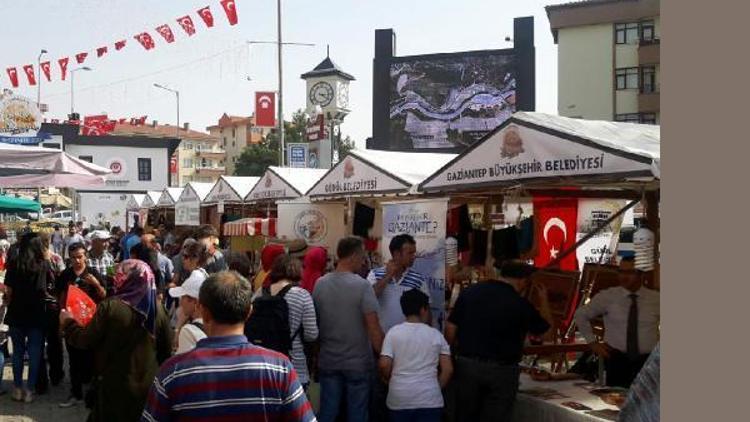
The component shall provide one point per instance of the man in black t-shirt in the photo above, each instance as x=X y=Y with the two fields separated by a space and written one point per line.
x=487 y=329
x=79 y=274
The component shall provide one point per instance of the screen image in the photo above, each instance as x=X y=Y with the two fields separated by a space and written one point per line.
x=450 y=101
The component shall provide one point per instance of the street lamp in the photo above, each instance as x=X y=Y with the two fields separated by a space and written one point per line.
x=72 y=85
x=177 y=94
x=39 y=82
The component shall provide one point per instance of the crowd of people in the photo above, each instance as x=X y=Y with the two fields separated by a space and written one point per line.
x=184 y=330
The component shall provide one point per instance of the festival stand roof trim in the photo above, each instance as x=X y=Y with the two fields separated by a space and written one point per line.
x=201 y=190
x=251 y=227
x=135 y=201
x=537 y=149
x=284 y=183
x=169 y=196
x=231 y=189
x=151 y=199
x=374 y=173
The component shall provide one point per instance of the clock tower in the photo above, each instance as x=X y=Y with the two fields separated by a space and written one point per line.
x=327 y=94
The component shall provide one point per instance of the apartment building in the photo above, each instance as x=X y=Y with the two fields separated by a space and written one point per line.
x=200 y=158
x=235 y=133
x=608 y=59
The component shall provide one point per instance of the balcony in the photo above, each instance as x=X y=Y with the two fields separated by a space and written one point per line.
x=211 y=154
x=210 y=170
x=648 y=52
x=648 y=103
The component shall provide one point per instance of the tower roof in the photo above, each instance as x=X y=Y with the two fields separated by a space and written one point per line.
x=327 y=68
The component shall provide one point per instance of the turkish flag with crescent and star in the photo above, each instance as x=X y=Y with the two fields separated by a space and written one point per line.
x=230 y=8
x=206 y=15
x=556 y=229
x=119 y=45
x=265 y=109
x=166 y=32
x=45 y=70
x=81 y=57
x=145 y=39
x=29 y=70
x=101 y=51
x=63 y=67
x=186 y=22
x=13 y=75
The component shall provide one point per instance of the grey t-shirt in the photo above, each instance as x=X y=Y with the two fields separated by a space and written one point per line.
x=341 y=301
x=217 y=262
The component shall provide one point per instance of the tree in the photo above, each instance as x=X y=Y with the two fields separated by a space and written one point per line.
x=346 y=145
x=256 y=158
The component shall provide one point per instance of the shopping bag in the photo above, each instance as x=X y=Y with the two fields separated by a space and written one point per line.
x=80 y=305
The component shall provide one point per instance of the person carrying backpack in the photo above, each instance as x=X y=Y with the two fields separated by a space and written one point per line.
x=187 y=294
x=283 y=316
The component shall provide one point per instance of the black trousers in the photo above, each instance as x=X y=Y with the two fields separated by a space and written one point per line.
x=622 y=370
x=81 y=369
x=52 y=354
x=483 y=390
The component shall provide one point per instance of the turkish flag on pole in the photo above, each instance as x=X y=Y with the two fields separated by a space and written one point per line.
x=173 y=164
x=29 y=70
x=166 y=33
x=265 y=109
x=206 y=15
x=231 y=10
x=119 y=45
x=81 y=57
x=101 y=51
x=80 y=305
x=13 y=75
x=186 y=22
x=45 y=70
x=145 y=39
x=63 y=67
x=556 y=228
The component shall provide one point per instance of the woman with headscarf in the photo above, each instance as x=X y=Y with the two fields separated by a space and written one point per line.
x=267 y=256
x=313 y=267
x=130 y=336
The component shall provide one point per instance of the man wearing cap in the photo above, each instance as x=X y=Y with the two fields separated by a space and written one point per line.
x=99 y=257
x=188 y=294
x=209 y=236
x=487 y=328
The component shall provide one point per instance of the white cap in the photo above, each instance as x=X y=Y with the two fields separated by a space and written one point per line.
x=191 y=287
x=99 y=234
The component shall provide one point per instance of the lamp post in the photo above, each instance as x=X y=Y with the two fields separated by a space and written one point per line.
x=72 y=85
x=177 y=95
x=39 y=82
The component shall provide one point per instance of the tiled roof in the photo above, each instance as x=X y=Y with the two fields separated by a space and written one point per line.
x=164 y=131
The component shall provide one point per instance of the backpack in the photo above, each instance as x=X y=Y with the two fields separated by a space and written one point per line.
x=268 y=325
x=197 y=324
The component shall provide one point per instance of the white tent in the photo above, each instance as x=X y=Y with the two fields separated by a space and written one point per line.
x=152 y=197
x=168 y=197
x=25 y=166
x=284 y=183
x=135 y=201
x=371 y=172
x=231 y=189
x=188 y=206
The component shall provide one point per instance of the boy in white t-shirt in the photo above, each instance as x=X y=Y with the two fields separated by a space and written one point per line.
x=412 y=352
x=187 y=293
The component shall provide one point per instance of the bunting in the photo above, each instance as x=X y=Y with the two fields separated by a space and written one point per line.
x=46 y=70
x=29 y=70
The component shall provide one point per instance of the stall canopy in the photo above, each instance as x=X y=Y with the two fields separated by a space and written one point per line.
x=25 y=166
x=231 y=189
x=284 y=183
x=169 y=197
x=188 y=206
x=152 y=197
x=135 y=201
x=540 y=149
x=371 y=172
x=251 y=227
x=9 y=204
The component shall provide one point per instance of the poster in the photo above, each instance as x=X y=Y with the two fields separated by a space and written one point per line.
x=425 y=220
x=317 y=224
x=593 y=213
x=297 y=154
x=187 y=210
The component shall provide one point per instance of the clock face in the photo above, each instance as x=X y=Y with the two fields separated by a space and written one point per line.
x=343 y=95
x=321 y=94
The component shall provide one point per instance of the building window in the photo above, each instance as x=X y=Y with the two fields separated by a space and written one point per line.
x=187 y=163
x=188 y=145
x=647 y=31
x=234 y=132
x=626 y=33
x=87 y=158
x=626 y=78
x=144 y=169
x=648 y=118
x=628 y=118
x=648 y=79
x=234 y=144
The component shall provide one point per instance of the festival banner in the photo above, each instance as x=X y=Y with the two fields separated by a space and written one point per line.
x=231 y=10
x=316 y=224
x=45 y=69
x=63 y=67
x=186 y=22
x=13 y=75
x=207 y=16
x=145 y=39
x=265 y=109
x=425 y=220
x=29 y=70
x=592 y=213
x=166 y=32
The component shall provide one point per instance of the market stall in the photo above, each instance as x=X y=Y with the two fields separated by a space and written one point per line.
x=249 y=234
x=280 y=183
x=188 y=205
x=225 y=202
x=135 y=210
x=165 y=204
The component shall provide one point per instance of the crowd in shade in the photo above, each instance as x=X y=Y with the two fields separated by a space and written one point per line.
x=161 y=325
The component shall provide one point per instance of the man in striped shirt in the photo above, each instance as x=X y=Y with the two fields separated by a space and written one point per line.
x=225 y=377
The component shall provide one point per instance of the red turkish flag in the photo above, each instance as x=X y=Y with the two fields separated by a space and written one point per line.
x=63 y=67
x=173 y=165
x=186 y=22
x=265 y=109
x=29 y=70
x=556 y=229
x=166 y=33
x=98 y=125
x=145 y=39
x=231 y=10
x=45 y=69
x=101 y=51
x=80 y=305
x=119 y=45
x=13 y=75
x=206 y=15
x=81 y=57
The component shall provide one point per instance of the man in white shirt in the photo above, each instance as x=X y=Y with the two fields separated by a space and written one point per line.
x=631 y=325
x=188 y=293
x=412 y=352
x=71 y=239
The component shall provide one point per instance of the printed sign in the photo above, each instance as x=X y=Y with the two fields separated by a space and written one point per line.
x=297 y=155
x=592 y=213
x=355 y=176
x=426 y=222
x=316 y=224
x=270 y=187
x=20 y=120
x=187 y=209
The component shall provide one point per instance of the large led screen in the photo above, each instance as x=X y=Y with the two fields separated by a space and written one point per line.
x=449 y=101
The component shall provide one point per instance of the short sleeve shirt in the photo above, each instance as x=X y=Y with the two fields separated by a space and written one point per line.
x=390 y=312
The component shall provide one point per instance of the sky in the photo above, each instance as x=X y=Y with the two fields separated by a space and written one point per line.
x=211 y=68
